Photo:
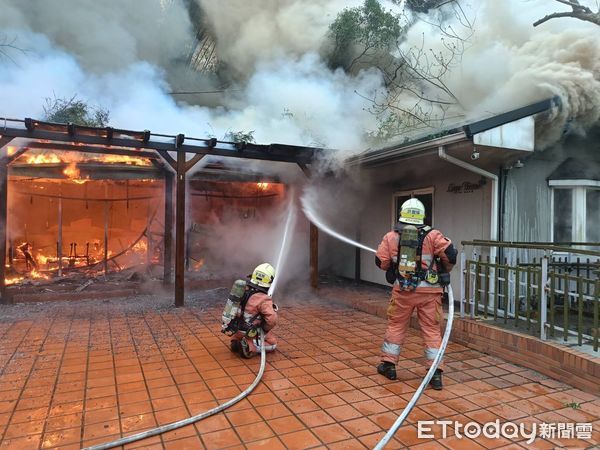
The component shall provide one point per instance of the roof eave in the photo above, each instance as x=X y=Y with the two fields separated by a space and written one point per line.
x=399 y=151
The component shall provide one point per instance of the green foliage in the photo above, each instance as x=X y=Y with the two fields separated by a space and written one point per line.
x=573 y=405
x=240 y=136
x=362 y=31
x=73 y=110
x=423 y=6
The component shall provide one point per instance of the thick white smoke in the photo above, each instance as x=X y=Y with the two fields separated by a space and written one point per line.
x=287 y=93
x=508 y=63
x=121 y=56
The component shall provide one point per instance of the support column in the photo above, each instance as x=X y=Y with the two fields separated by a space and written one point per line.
x=3 y=227
x=59 y=241
x=105 y=262
x=314 y=243
x=168 y=237
x=180 y=231
x=314 y=256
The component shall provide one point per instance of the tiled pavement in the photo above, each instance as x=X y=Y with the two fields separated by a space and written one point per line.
x=81 y=373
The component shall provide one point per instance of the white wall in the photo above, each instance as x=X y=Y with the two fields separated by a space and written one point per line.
x=464 y=216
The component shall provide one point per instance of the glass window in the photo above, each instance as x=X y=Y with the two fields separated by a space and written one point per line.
x=592 y=215
x=563 y=220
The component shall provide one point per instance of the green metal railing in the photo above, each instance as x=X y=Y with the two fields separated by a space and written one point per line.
x=554 y=294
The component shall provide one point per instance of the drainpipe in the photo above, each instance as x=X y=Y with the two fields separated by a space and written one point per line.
x=471 y=168
x=494 y=206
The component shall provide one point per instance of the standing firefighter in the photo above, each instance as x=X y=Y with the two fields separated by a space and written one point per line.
x=249 y=308
x=417 y=260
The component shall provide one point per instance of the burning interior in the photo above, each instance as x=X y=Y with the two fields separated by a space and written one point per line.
x=79 y=210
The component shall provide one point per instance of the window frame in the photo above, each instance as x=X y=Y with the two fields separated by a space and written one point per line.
x=579 y=189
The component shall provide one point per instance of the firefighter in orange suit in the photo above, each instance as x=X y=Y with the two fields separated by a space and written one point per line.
x=258 y=311
x=420 y=288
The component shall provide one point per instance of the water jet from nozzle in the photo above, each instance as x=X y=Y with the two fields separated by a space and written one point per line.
x=284 y=242
x=312 y=216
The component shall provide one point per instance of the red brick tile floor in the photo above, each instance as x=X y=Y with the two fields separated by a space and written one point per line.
x=73 y=374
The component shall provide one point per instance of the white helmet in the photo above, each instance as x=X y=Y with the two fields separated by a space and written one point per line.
x=263 y=275
x=412 y=211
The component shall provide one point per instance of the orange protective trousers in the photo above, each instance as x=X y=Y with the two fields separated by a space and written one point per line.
x=429 y=314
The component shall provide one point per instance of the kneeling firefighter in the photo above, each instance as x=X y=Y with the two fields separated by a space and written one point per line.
x=417 y=260
x=249 y=308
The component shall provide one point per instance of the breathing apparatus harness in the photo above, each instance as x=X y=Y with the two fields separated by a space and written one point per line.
x=233 y=315
x=408 y=269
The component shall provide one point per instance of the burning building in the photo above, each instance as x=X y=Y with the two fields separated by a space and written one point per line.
x=81 y=201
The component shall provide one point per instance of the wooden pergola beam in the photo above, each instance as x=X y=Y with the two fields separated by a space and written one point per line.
x=96 y=149
x=40 y=131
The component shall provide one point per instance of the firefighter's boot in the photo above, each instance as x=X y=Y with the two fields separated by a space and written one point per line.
x=436 y=380
x=245 y=350
x=387 y=369
x=235 y=346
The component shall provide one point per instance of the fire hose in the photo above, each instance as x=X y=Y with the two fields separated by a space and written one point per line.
x=427 y=379
x=193 y=419
x=308 y=211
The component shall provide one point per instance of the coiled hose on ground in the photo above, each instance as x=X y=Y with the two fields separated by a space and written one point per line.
x=193 y=419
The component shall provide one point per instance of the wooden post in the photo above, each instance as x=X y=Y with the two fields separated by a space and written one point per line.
x=105 y=262
x=3 y=216
x=314 y=256
x=148 y=238
x=168 y=237
x=180 y=231
x=357 y=261
x=314 y=243
x=59 y=242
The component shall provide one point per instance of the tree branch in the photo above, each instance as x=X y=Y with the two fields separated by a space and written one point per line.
x=593 y=18
x=578 y=12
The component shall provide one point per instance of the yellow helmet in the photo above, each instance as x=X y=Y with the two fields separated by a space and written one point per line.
x=263 y=275
x=412 y=211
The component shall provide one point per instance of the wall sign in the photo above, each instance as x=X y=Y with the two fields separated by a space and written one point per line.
x=464 y=188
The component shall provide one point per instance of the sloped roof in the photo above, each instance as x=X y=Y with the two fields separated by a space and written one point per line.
x=457 y=131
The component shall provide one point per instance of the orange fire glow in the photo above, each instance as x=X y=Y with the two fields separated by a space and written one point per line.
x=72 y=173
x=10 y=150
x=198 y=265
x=13 y=280
x=123 y=159
x=57 y=158
x=43 y=158
x=262 y=186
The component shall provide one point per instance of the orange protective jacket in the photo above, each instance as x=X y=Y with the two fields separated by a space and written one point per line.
x=260 y=303
x=434 y=246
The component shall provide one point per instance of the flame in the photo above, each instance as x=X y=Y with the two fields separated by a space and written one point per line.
x=141 y=246
x=262 y=186
x=57 y=158
x=42 y=259
x=198 y=264
x=10 y=150
x=13 y=280
x=43 y=158
x=122 y=159
x=72 y=172
x=38 y=275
